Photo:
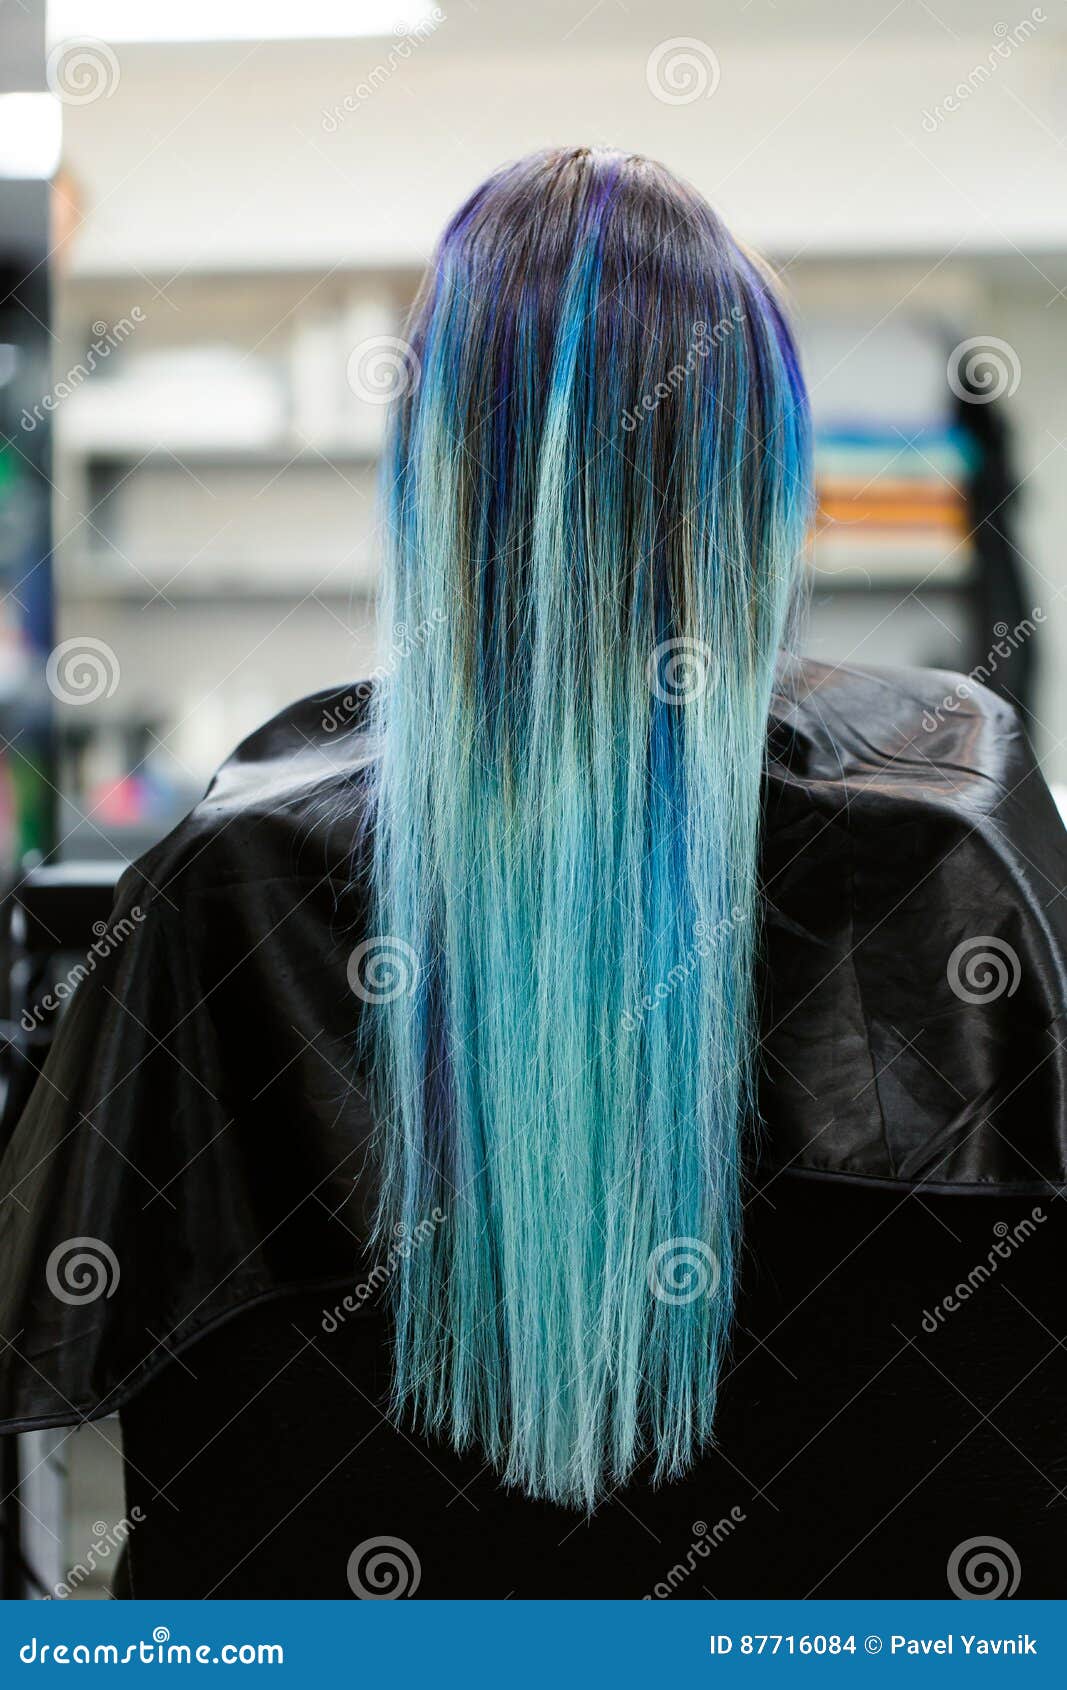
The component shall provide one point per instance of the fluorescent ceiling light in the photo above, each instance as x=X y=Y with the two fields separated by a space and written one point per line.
x=31 y=134
x=236 y=20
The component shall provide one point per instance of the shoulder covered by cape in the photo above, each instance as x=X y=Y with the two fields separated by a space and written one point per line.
x=200 y=1137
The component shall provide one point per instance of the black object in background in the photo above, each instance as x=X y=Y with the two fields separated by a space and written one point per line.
x=999 y=593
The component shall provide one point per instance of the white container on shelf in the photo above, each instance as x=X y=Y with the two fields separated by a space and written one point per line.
x=197 y=398
x=374 y=359
x=316 y=380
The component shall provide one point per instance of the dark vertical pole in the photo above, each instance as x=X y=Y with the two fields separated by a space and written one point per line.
x=27 y=748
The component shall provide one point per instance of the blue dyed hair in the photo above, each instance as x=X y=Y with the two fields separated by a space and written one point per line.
x=598 y=493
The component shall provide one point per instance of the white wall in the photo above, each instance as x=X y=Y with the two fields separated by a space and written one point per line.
x=218 y=157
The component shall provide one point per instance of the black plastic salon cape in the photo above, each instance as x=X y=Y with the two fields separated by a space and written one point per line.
x=201 y=1116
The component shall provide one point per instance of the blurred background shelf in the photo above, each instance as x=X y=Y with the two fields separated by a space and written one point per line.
x=102 y=457
x=228 y=289
x=218 y=473
x=170 y=597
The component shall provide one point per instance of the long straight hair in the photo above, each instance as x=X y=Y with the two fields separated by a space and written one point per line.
x=598 y=492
